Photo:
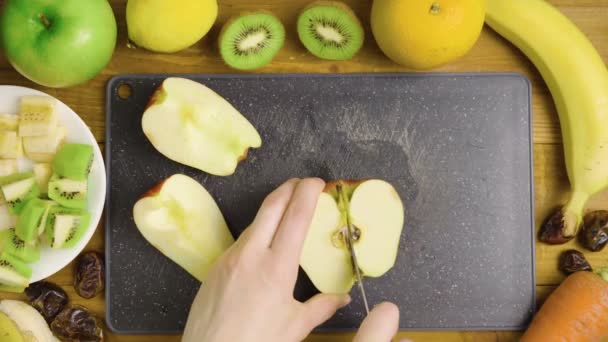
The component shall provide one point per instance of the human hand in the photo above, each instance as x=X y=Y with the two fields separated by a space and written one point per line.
x=248 y=294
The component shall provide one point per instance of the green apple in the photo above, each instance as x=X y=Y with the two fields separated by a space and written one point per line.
x=58 y=43
x=376 y=214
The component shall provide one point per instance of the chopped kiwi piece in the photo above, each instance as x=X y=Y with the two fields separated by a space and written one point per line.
x=17 y=189
x=330 y=30
x=30 y=219
x=251 y=41
x=13 y=245
x=68 y=192
x=42 y=224
x=73 y=161
x=13 y=289
x=65 y=226
x=14 y=273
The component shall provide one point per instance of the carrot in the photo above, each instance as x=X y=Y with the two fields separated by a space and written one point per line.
x=576 y=311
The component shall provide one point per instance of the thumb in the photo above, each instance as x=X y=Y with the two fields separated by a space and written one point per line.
x=320 y=308
x=381 y=325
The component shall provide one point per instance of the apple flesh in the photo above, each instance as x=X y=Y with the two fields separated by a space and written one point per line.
x=376 y=213
x=58 y=43
x=181 y=219
x=191 y=124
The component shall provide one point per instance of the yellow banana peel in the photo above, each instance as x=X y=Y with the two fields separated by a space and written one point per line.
x=578 y=80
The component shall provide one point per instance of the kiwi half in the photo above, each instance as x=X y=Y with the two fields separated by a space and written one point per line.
x=251 y=41
x=330 y=30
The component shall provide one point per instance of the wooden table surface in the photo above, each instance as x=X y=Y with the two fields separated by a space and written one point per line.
x=491 y=53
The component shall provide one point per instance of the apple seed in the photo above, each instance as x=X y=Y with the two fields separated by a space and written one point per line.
x=338 y=239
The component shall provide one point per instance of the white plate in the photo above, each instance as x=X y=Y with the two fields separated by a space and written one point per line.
x=53 y=260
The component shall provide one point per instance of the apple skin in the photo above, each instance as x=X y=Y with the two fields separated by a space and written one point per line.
x=58 y=43
x=330 y=187
x=155 y=190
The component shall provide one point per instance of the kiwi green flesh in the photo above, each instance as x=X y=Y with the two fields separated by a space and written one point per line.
x=42 y=224
x=13 y=289
x=14 y=273
x=18 y=193
x=25 y=251
x=15 y=177
x=73 y=161
x=29 y=220
x=67 y=192
x=330 y=32
x=251 y=41
x=65 y=227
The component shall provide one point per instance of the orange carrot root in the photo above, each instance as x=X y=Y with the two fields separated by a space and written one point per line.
x=577 y=311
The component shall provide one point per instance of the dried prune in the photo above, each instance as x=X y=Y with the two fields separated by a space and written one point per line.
x=89 y=278
x=572 y=261
x=76 y=323
x=552 y=230
x=48 y=298
x=594 y=235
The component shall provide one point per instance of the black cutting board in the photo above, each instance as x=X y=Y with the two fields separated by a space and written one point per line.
x=457 y=147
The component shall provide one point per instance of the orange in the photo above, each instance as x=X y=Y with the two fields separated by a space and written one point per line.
x=423 y=34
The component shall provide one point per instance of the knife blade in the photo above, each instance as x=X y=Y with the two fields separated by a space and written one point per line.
x=350 y=242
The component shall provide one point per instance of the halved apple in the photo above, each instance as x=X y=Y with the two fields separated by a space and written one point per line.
x=376 y=213
x=181 y=219
x=191 y=124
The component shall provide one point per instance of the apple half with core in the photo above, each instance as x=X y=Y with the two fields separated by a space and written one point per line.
x=376 y=214
x=181 y=219
x=58 y=43
x=192 y=125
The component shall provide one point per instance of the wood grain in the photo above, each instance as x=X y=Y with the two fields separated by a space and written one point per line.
x=491 y=53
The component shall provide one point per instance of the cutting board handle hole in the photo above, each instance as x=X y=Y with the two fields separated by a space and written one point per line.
x=124 y=91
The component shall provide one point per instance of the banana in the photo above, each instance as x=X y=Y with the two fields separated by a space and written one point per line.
x=578 y=80
x=37 y=116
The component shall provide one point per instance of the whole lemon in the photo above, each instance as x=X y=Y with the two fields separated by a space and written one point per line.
x=423 y=34
x=169 y=26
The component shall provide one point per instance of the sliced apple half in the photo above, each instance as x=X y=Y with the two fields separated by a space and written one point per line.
x=191 y=124
x=181 y=219
x=376 y=213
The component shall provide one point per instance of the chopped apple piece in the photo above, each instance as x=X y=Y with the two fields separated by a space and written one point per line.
x=181 y=219
x=8 y=167
x=41 y=157
x=43 y=173
x=10 y=145
x=44 y=144
x=190 y=124
x=376 y=213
